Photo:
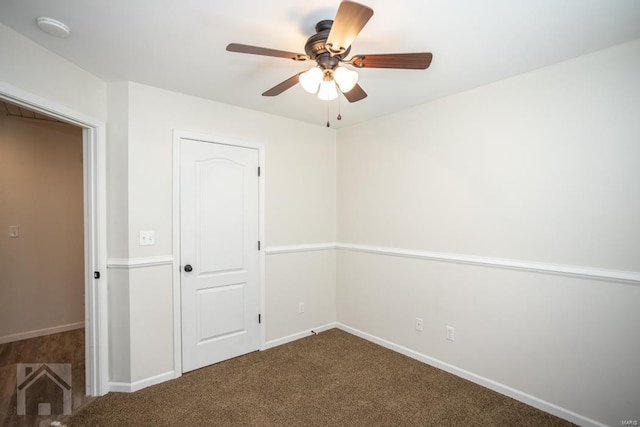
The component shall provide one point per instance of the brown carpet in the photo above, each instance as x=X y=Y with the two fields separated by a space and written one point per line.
x=332 y=379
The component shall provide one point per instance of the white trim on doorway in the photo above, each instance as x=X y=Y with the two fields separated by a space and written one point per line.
x=95 y=196
x=177 y=306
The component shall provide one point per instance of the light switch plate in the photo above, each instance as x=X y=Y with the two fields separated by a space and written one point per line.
x=14 y=231
x=147 y=238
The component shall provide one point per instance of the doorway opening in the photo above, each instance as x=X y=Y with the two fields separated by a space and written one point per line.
x=42 y=263
x=83 y=326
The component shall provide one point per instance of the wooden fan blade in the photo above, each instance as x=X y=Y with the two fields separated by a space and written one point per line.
x=281 y=87
x=355 y=94
x=350 y=19
x=256 y=50
x=412 y=61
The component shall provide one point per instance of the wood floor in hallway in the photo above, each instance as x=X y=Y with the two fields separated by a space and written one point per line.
x=62 y=348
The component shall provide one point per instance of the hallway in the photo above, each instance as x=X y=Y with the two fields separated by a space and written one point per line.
x=61 y=348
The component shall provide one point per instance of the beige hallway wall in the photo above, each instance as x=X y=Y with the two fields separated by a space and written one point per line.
x=42 y=270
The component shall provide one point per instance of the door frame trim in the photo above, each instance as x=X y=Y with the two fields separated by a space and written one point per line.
x=95 y=229
x=177 y=299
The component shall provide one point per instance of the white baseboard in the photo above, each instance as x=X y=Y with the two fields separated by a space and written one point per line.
x=299 y=335
x=122 y=387
x=139 y=385
x=41 y=332
x=485 y=382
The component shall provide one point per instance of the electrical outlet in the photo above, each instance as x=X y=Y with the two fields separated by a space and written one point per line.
x=419 y=324
x=451 y=333
x=300 y=308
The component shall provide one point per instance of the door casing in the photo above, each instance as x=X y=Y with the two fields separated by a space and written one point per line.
x=95 y=231
x=178 y=135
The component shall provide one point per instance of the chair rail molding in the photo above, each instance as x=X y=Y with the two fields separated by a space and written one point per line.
x=139 y=262
x=628 y=277
x=310 y=247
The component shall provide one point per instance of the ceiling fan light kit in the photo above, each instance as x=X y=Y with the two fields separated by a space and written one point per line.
x=329 y=48
x=322 y=82
x=310 y=80
x=327 y=91
x=345 y=78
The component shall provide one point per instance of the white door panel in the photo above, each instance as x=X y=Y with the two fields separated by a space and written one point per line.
x=219 y=236
x=220 y=231
x=220 y=312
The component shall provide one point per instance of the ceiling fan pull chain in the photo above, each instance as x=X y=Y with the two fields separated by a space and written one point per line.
x=327 y=114
x=339 y=115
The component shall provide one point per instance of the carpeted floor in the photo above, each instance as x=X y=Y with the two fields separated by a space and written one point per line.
x=332 y=379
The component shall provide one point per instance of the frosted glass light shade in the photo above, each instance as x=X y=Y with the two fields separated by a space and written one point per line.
x=328 y=90
x=345 y=78
x=310 y=80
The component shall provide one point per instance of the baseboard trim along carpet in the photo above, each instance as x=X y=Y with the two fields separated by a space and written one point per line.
x=485 y=382
x=299 y=335
x=139 y=385
x=462 y=373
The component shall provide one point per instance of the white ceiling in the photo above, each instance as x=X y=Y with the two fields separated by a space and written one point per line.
x=180 y=45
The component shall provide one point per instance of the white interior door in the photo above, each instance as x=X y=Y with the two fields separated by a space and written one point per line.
x=219 y=233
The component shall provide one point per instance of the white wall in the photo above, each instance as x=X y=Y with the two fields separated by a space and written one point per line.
x=42 y=270
x=33 y=69
x=300 y=209
x=118 y=170
x=544 y=168
x=307 y=277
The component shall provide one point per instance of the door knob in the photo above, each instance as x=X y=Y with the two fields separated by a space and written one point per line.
x=188 y=268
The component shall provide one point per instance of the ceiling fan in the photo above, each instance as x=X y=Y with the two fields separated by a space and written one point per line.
x=329 y=48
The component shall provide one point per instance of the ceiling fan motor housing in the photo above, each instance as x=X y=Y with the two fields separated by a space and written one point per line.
x=316 y=49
